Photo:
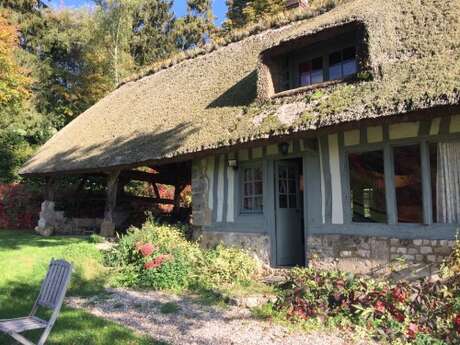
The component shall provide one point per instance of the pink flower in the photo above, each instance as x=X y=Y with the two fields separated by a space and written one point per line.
x=412 y=330
x=145 y=249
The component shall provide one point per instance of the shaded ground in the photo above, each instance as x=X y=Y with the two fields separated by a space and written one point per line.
x=182 y=320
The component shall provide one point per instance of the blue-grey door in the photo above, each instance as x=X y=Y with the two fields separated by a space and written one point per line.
x=288 y=208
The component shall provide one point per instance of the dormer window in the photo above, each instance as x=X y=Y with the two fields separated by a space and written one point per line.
x=330 y=56
x=311 y=72
x=343 y=63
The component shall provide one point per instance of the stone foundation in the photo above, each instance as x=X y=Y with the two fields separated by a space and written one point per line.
x=54 y=222
x=257 y=244
x=378 y=255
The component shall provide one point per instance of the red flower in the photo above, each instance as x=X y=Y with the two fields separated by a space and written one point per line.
x=379 y=306
x=145 y=249
x=157 y=262
x=398 y=294
x=457 y=323
x=412 y=330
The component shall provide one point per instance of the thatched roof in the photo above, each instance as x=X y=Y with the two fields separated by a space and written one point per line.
x=210 y=101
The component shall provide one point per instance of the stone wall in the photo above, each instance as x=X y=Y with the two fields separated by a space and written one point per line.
x=256 y=244
x=377 y=255
x=54 y=222
x=201 y=214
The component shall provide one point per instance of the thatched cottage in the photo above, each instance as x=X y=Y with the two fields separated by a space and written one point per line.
x=333 y=139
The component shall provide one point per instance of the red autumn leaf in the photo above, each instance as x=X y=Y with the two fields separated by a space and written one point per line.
x=379 y=306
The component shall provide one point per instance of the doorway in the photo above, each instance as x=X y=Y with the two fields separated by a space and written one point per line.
x=289 y=233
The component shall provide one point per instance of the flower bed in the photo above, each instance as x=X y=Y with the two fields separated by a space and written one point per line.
x=160 y=257
x=421 y=312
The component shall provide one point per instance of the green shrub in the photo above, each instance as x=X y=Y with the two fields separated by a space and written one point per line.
x=227 y=265
x=160 y=257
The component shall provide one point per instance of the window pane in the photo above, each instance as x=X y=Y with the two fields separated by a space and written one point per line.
x=292 y=186
x=248 y=174
x=317 y=76
x=258 y=203
x=335 y=72
x=367 y=186
x=408 y=184
x=305 y=79
x=248 y=191
x=335 y=58
x=283 y=201
x=349 y=67
x=434 y=174
x=283 y=186
x=292 y=201
x=258 y=174
x=258 y=187
x=247 y=203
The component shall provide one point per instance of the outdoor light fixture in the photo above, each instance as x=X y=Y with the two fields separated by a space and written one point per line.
x=233 y=163
x=284 y=148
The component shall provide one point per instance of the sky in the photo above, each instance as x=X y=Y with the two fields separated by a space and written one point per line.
x=179 y=7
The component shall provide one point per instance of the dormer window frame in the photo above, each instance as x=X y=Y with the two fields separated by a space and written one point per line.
x=283 y=78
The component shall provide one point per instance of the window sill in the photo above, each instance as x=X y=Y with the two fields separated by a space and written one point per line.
x=302 y=89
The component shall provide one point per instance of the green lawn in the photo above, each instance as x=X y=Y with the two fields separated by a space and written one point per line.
x=24 y=258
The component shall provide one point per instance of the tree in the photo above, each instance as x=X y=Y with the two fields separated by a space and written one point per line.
x=152 y=31
x=197 y=26
x=74 y=70
x=243 y=12
x=15 y=120
x=115 y=22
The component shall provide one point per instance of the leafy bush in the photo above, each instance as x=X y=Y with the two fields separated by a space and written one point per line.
x=420 y=312
x=160 y=257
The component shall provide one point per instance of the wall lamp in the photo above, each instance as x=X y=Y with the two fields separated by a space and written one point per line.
x=233 y=163
x=284 y=148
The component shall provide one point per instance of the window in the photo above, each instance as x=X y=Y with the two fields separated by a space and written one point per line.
x=342 y=63
x=287 y=188
x=367 y=186
x=408 y=184
x=311 y=72
x=252 y=189
x=332 y=54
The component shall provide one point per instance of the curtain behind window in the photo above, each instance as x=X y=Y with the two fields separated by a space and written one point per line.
x=448 y=183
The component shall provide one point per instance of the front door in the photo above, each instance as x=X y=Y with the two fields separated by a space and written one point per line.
x=289 y=233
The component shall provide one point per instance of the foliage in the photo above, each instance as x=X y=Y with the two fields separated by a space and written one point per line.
x=420 y=312
x=159 y=256
x=243 y=12
x=25 y=258
x=19 y=206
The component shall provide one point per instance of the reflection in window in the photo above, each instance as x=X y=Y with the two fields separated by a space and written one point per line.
x=342 y=63
x=252 y=191
x=408 y=184
x=367 y=187
x=287 y=187
x=311 y=72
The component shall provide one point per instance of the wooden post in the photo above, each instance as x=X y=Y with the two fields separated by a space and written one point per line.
x=108 y=226
x=50 y=189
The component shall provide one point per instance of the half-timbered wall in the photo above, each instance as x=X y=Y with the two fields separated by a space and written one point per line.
x=327 y=191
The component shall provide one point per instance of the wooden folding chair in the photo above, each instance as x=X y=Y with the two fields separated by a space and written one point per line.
x=51 y=296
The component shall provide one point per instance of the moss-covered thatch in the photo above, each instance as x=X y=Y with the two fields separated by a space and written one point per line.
x=210 y=101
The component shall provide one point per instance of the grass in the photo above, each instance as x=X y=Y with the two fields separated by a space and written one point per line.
x=24 y=259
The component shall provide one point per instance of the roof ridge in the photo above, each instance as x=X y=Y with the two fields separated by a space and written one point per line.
x=274 y=22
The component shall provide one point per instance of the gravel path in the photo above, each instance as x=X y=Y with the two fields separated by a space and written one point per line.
x=193 y=323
